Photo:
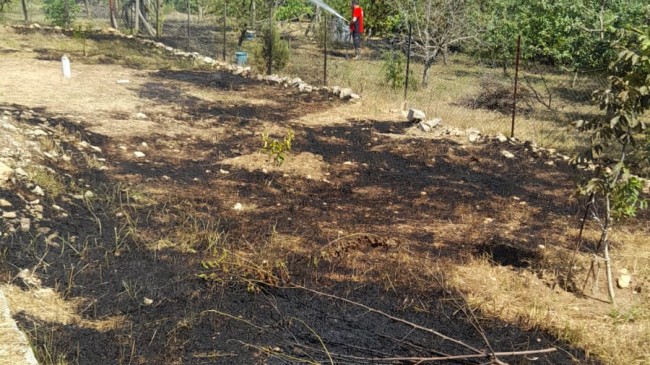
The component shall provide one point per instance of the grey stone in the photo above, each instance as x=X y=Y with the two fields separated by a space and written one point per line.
x=415 y=115
x=25 y=224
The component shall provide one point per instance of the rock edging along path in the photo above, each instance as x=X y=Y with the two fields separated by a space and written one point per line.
x=14 y=347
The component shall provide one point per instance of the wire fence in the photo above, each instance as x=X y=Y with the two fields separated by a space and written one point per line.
x=461 y=91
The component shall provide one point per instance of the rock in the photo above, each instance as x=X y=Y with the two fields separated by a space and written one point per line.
x=355 y=97
x=38 y=191
x=208 y=60
x=273 y=79
x=147 y=301
x=95 y=148
x=415 y=115
x=6 y=173
x=138 y=154
x=224 y=172
x=507 y=154
x=9 y=215
x=89 y=194
x=141 y=116
x=4 y=203
x=345 y=93
x=238 y=71
x=296 y=82
x=336 y=90
x=624 y=279
x=473 y=135
x=238 y=207
x=25 y=224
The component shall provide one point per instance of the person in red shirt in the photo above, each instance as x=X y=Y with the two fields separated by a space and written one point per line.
x=356 y=27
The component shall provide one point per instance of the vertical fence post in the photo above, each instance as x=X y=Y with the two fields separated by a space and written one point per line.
x=408 y=62
x=271 y=30
x=158 y=20
x=514 y=94
x=325 y=36
x=225 y=12
x=189 y=46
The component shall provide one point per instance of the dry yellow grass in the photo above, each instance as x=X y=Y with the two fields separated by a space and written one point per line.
x=616 y=335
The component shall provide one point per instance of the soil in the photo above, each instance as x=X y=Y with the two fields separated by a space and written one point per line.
x=350 y=194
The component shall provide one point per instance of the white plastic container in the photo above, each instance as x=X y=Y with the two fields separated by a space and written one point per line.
x=65 y=64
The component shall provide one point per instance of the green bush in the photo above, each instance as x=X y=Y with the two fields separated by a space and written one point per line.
x=394 y=69
x=55 y=12
x=271 y=44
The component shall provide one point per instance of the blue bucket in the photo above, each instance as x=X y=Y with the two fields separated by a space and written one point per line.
x=241 y=58
x=250 y=35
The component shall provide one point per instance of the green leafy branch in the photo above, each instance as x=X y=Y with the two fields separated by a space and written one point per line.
x=276 y=149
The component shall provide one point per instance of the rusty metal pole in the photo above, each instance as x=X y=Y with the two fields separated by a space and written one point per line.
x=325 y=36
x=408 y=62
x=514 y=94
x=225 y=13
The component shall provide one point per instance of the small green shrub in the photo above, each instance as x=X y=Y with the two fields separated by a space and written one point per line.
x=273 y=45
x=55 y=11
x=276 y=149
x=393 y=69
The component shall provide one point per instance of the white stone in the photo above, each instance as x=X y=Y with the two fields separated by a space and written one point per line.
x=4 y=203
x=9 y=215
x=224 y=172
x=238 y=206
x=415 y=115
x=507 y=154
x=474 y=138
x=345 y=93
x=138 y=154
x=141 y=116
x=501 y=138
x=25 y=224
x=89 y=194
x=6 y=173
x=38 y=191
x=624 y=281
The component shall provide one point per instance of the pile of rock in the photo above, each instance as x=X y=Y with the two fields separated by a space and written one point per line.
x=345 y=94
x=26 y=150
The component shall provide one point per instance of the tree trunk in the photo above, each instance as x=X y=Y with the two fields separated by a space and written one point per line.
x=25 y=13
x=136 y=21
x=159 y=23
x=605 y=242
x=200 y=15
x=111 y=13
x=66 y=13
x=427 y=67
x=89 y=13
x=445 y=55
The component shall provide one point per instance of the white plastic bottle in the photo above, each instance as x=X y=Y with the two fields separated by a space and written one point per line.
x=65 y=63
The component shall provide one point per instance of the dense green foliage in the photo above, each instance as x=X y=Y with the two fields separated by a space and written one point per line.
x=573 y=34
x=3 y=3
x=60 y=12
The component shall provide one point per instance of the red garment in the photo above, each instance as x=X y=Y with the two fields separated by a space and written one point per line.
x=357 y=26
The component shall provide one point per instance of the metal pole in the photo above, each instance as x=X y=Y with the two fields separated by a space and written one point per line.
x=514 y=94
x=270 y=60
x=325 y=35
x=225 y=11
x=189 y=48
x=408 y=62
